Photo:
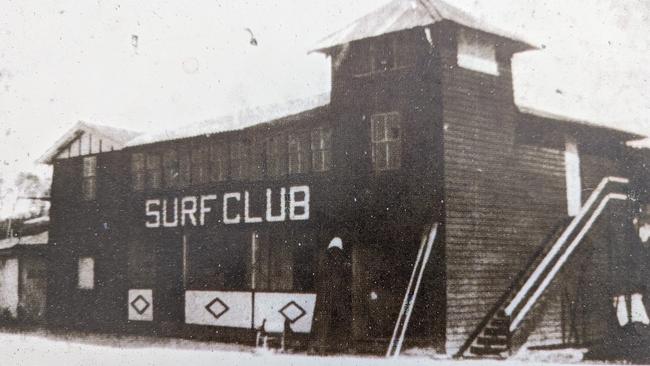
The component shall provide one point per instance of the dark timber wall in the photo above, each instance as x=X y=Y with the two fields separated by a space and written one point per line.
x=502 y=196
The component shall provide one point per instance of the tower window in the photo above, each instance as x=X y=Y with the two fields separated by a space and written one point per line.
x=477 y=52
x=386 y=140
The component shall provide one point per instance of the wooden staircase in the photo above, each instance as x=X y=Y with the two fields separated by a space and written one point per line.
x=493 y=336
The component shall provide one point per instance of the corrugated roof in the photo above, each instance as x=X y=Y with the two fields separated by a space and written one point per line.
x=407 y=14
x=118 y=135
x=242 y=119
x=611 y=125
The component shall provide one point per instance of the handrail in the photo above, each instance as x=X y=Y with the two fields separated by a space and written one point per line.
x=432 y=237
x=419 y=266
x=542 y=267
x=560 y=242
x=563 y=258
x=408 y=291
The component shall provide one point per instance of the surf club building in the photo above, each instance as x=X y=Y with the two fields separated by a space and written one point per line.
x=419 y=205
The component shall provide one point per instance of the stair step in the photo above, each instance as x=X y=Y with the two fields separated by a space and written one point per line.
x=500 y=323
x=485 y=351
x=492 y=341
x=495 y=332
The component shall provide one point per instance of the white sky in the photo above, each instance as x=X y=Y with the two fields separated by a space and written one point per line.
x=65 y=61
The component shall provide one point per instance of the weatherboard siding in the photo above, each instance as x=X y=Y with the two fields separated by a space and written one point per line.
x=502 y=197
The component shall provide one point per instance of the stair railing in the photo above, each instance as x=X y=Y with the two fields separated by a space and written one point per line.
x=542 y=267
x=557 y=246
x=401 y=324
x=563 y=258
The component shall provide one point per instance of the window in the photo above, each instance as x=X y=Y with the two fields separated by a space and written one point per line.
x=89 y=184
x=276 y=156
x=298 y=153
x=237 y=160
x=283 y=265
x=386 y=141
x=382 y=54
x=184 y=164
x=219 y=162
x=388 y=52
x=153 y=172
x=255 y=161
x=200 y=164
x=477 y=52
x=321 y=149
x=137 y=171
x=86 y=274
x=170 y=168
x=218 y=262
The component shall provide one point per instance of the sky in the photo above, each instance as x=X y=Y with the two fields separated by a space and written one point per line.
x=64 y=61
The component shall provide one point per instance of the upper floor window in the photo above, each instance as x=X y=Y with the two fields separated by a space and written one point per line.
x=477 y=52
x=153 y=172
x=276 y=156
x=219 y=162
x=184 y=165
x=89 y=183
x=238 y=159
x=137 y=171
x=298 y=153
x=200 y=164
x=386 y=140
x=170 y=168
x=321 y=149
x=384 y=53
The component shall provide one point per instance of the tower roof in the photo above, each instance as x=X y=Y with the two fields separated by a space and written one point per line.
x=400 y=15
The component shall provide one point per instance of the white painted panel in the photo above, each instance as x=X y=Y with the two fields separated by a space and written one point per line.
x=141 y=304
x=85 y=144
x=74 y=148
x=86 y=277
x=573 y=181
x=477 y=53
x=219 y=308
x=94 y=144
x=297 y=307
x=9 y=285
x=64 y=154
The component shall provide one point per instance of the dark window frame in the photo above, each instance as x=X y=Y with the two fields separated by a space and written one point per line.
x=89 y=178
x=386 y=134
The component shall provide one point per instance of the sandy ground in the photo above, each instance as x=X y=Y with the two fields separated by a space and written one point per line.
x=40 y=348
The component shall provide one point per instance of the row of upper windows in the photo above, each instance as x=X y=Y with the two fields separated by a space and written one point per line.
x=295 y=153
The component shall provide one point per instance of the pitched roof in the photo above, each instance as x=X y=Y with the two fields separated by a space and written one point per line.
x=627 y=129
x=238 y=121
x=399 y=15
x=117 y=135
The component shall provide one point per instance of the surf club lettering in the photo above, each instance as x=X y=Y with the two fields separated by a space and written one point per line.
x=272 y=205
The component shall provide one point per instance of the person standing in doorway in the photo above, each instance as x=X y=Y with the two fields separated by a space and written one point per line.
x=333 y=309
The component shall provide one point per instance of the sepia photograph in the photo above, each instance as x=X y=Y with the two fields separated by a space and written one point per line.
x=325 y=182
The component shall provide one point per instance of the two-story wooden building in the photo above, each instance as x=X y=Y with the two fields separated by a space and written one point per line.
x=210 y=231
